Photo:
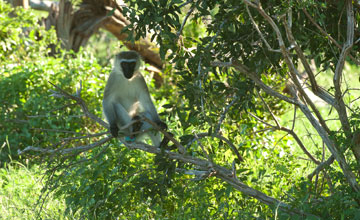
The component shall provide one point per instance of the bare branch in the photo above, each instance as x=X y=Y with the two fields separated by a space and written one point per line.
x=301 y=145
x=222 y=117
x=292 y=133
x=259 y=32
x=321 y=166
x=340 y=66
x=67 y=150
x=82 y=104
x=203 y=149
x=268 y=108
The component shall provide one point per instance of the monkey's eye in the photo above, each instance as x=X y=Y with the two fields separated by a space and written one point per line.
x=128 y=68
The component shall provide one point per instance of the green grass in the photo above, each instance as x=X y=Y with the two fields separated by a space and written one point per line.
x=20 y=188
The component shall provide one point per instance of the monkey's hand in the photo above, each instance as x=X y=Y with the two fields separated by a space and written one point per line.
x=136 y=126
x=162 y=125
x=114 y=130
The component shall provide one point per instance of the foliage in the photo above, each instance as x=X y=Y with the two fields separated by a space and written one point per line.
x=28 y=112
x=208 y=77
x=207 y=101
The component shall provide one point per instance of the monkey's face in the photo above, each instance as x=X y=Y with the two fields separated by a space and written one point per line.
x=128 y=68
x=129 y=62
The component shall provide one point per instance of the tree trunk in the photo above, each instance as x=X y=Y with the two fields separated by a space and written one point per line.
x=74 y=28
x=22 y=3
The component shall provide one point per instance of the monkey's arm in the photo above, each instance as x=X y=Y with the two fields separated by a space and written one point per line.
x=149 y=106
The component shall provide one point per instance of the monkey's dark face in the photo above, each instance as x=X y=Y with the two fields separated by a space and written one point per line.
x=128 y=68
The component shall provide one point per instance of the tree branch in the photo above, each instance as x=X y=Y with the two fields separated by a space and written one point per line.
x=314 y=86
x=223 y=115
x=78 y=149
x=224 y=174
x=80 y=102
x=321 y=166
x=321 y=127
x=340 y=66
x=184 y=21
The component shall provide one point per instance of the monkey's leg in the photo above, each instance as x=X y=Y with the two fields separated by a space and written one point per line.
x=110 y=114
x=122 y=117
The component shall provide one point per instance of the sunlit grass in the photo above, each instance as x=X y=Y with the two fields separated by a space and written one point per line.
x=304 y=128
x=20 y=188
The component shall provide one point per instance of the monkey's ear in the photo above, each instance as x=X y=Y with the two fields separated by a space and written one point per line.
x=128 y=68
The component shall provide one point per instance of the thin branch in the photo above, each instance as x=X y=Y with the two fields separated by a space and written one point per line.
x=268 y=108
x=328 y=36
x=82 y=104
x=222 y=117
x=264 y=122
x=292 y=133
x=294 y=119
x=301 y=145
x=184 y=22
x=227 y=141
x=259 y=32
x=58 y=131
x=78 y=149
x=321 y=166
x=314 y=86
x=203 y=149
x=84 y=137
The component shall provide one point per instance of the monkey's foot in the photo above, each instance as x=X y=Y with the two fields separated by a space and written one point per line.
x=129 y=139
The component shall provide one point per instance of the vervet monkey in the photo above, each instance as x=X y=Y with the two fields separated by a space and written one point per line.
x=127 y=98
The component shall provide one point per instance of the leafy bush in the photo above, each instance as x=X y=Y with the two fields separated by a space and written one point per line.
x=28 y=115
